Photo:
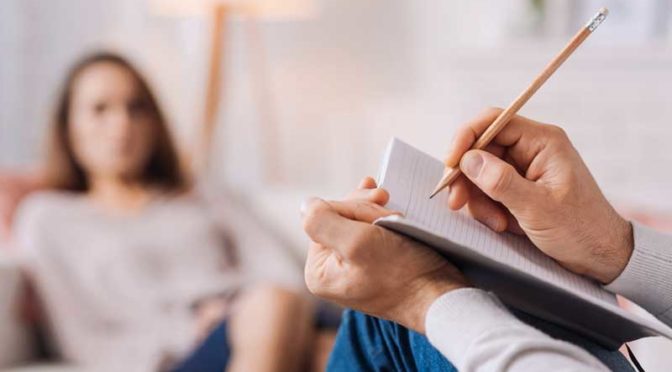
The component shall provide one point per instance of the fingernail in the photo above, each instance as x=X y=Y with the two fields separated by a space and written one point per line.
x=471 y=164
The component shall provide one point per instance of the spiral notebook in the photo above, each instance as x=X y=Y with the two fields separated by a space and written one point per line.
x=506 y=264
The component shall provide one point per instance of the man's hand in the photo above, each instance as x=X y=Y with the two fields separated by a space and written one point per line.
x=368 y=268
x=543 y=189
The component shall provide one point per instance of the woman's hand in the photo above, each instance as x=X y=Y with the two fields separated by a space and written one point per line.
x=531 y=180
x=209 y=313
x=368 y=268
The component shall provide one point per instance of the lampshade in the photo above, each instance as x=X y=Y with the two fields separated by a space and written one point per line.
x=266 y=9
x=180 y=8
x=278 y=9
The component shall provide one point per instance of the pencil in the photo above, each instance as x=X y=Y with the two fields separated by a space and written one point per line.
x=452 y=171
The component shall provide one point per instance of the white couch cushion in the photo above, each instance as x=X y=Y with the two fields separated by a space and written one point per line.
x=14 y=337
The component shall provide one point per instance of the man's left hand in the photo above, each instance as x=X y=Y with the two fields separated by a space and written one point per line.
x=368 y=268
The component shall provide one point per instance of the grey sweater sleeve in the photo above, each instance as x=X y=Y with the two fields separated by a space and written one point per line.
x=647 y=278
x=473 y=330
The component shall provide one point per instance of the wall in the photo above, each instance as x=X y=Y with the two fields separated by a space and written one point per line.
x=409 y=70
x=309 y=104
x=40 y=39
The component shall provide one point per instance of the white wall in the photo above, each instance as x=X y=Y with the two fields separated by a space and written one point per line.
x=345 y=82
x=339 y=84
x=40 y=39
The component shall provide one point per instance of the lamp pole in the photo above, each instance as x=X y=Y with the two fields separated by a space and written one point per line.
x=213 y=92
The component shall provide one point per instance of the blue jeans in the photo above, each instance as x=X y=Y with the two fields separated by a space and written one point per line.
x=212 y=355
x=365 y=343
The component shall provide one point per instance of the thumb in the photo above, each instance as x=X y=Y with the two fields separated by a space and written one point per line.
x=497 y=179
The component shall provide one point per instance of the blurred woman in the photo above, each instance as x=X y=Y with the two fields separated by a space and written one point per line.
x=133 y=270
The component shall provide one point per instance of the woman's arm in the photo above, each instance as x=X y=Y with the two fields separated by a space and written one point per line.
x=263 y=257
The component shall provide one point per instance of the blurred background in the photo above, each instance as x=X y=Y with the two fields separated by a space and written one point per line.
x=310 y=91
x=325 y=84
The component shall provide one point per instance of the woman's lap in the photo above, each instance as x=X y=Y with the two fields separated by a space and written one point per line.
x=365 y=343
x=212 y=355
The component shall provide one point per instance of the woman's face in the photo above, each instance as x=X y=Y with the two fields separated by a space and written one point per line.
x=111 y=127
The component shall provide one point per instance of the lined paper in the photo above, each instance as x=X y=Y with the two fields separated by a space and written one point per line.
x=410 y=175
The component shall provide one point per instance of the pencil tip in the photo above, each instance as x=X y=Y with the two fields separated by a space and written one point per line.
x=434 y=193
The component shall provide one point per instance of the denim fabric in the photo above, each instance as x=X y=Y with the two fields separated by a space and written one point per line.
x=365 y=343
x=211 y=356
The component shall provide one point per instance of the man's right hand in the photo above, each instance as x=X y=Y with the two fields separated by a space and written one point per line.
x=531 y=180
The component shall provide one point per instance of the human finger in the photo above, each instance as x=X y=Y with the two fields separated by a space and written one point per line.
x=486 y=211
x=367 y=183
x=373 y=195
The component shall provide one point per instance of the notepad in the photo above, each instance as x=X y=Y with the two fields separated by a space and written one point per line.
x=506 y=264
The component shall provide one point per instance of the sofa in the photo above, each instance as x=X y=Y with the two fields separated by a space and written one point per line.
x=277 y=206
x=276 y=210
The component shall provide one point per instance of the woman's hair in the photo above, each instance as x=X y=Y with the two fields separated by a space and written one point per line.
x=63 y=170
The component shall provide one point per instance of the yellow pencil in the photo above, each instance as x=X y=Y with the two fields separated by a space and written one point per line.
x=452 y=171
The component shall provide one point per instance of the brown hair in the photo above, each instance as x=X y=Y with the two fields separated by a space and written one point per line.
x=64 y=172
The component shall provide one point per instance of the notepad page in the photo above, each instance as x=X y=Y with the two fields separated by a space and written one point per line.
x=410 y=175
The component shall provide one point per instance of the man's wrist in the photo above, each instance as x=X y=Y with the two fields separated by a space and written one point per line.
x=614 y=257
x=427 y=292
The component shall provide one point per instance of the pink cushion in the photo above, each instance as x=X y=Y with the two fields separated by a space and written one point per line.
x=658 y=220
x=14 y=186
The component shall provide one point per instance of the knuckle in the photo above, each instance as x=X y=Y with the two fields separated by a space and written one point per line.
x=367 y=209
x=501 y=181
x=493 y=110
x=360 y=208
x=369 y=195
x=352 y=195
x=464 y=130
x=358 y=241
x=311 y=217
x=357 y=244
x=360 y=194
x=557 y=133
x=378 y=194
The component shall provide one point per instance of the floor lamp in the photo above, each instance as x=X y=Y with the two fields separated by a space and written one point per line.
x=220 y=11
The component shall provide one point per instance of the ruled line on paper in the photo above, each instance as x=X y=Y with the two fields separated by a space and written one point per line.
x=410 y=176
